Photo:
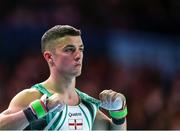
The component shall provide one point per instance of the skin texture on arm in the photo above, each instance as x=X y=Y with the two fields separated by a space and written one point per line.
x=102 y=122
x=14 y=117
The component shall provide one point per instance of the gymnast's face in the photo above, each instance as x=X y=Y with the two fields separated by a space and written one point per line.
x=66 y=58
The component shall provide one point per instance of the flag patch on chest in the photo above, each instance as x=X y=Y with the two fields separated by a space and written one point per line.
x=75 y=124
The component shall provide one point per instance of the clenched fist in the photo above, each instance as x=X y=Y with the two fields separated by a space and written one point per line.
x=53 y=103
x=111 y=100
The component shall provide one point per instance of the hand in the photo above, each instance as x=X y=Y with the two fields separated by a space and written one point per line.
x=111 y=100
x=54 y=103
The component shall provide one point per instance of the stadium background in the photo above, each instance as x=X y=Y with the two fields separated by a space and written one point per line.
x=130 y=46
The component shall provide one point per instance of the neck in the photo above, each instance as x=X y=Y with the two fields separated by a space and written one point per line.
x=60 y=84
x=64 y=86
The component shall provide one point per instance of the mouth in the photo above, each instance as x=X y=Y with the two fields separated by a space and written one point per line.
x=77 y=65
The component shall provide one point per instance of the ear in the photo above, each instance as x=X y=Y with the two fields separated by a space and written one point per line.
x=48 y=56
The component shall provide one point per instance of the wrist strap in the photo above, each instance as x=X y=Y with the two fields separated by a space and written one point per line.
x=119 y=114
x=118 y=121
x=39 y=108
x=30 y=115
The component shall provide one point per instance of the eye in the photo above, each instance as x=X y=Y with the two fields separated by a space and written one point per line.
x=81 y=49
x=69 y=49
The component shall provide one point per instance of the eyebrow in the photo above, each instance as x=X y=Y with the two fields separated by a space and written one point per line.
x=71 y=45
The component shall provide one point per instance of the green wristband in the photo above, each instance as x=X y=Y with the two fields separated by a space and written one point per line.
x=38 y=108
x=119 y=114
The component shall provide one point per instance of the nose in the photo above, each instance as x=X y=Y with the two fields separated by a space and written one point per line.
x=78 y=55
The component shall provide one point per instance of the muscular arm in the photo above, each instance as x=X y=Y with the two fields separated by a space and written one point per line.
x=13 y=117
x=102 y=122
x=13 y=120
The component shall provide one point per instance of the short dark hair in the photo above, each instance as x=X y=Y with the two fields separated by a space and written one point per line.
x=55 y=33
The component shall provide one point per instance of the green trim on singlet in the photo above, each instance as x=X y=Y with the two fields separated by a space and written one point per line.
x=90 y=108
x=88 y=98
x=85 y=117
x=57 y=121
x=42 y=89
x=64 y=117
x=50 y=117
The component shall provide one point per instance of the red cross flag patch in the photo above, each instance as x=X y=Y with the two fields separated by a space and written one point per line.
x=75 y=124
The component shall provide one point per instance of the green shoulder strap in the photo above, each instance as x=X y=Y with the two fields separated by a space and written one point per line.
x=41 y=89
x=88 y=98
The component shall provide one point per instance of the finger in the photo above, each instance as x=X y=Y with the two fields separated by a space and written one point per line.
x=44 y=97
x=110 y=96
x=106 y=95
x=114 y=95
x=101 y=94
x=120 y=97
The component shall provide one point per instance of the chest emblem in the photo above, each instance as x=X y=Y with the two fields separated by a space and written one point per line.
x=75 y=124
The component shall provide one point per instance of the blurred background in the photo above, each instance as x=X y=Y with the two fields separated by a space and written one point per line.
x=131 y=47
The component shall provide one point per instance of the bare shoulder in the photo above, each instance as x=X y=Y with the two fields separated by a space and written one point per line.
x=24 y=98
x=102 y=122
